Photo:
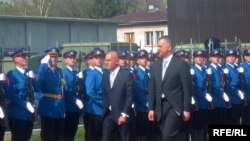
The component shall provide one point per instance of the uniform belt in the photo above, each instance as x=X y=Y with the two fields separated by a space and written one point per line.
x=55 y=96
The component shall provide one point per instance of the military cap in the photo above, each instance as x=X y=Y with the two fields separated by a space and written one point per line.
x=52 y=51
x=142 y=54
x=151 y=56
x=180 y=53
x=199 y=53
x=89 y=55
x=187 y=54
x=122 y=54
x=231 y=52
x=70 y=54
x=97 y=52
x=216 y=52
x=131 y=55
x=247 y=52
x=19 y=53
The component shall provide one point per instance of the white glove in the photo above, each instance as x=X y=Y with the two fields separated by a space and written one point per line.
x=2 y=77
x=192 y=72
x=192 y=101
x=208 y=97
x=79 y=104
x=209 y=71
x=30 y=107
x=1 y=113
x=226 y=71
x=225 y=97
x=241 y=94
x=45 y=59
x=80 y=75
x=240 y=70
x=133 y=105
x=31 y=74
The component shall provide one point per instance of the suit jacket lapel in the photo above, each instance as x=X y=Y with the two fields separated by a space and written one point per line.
x=158 y=70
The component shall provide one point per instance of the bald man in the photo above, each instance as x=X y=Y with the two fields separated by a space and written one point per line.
x=118 y=96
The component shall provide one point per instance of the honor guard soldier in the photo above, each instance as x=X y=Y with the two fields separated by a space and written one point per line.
x=141 y=96
x=73 y=105
x=151 y=59
x=51 y=106
x=19 y=110
x=183 y=54
x=217 y=92
x=235 y=94
x=122 y=58
x=199 y=119
x=90 y=62
x=131 y=61
x=246 y=78
x=93 y=98
x=184 y=129
x=3 y=122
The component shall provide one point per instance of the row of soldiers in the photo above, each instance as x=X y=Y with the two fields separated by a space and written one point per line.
x=221 y=94
x=221 y=90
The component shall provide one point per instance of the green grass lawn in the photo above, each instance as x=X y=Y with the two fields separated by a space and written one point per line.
x=36 y=135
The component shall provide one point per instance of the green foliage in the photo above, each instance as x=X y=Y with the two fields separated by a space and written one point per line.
x=3 y=8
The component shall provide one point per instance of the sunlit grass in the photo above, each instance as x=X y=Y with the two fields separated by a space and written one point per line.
x=36 y=135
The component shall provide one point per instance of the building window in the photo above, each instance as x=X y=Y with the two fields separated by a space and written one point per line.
x=130 y=37
x=159 y=34
x=149 y=38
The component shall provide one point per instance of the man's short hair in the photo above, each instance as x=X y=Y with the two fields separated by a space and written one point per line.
x=167 y=39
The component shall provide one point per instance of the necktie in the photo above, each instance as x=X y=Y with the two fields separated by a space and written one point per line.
x=164 y=68
x=112 y=78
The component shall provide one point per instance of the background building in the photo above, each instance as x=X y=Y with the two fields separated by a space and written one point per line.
x=142 y=28
x=42 y=32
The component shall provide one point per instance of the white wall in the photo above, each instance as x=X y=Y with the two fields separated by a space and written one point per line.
x=139 y=33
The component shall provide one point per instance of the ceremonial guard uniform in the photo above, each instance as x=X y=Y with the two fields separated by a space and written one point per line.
x=246 y=76
x=51 y=106
x=217 y=92
x=184 y=129
x=122 y=58
x=235 y=95
x=199 y=118
x=3 y=122
x=131 y=61
x=93 y=97
x=73 y=104
x=141 y=97
x=19 y=110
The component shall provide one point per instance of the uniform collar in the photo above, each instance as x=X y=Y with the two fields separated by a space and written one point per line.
x=20 y=69
x=70 y=68
x=141 y=67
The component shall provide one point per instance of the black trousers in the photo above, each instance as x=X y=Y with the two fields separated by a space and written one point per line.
x=2 y=128
x=93 y=127
x=109 y=126
x=199 y=125
x=52 y=129
x=246 y=114
x=142 y=127
x=70 y=125
x=21 y=130
x=233 y=114
x=170 y=123
x=217 y=116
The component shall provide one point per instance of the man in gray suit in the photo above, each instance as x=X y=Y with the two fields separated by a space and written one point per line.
x=170 y=90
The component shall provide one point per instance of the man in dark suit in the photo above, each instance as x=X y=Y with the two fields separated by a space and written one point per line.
x=118 y=96
x=170 y=90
